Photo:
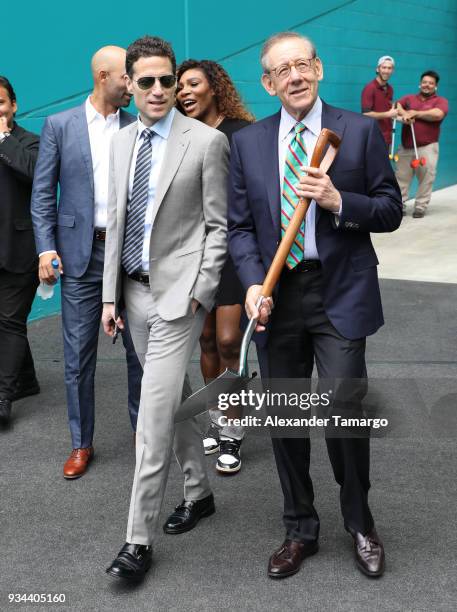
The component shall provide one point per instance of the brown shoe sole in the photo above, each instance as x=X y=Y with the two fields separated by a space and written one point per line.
x=364 y=570
x=312 y=551
x=76 y=476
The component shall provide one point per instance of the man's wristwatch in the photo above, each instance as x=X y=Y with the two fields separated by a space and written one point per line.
x=4 y=136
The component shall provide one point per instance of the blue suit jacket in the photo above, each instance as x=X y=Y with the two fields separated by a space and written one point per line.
x=371 y=203
x=65 y=161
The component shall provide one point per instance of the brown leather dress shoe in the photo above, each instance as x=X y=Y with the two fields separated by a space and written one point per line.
x=78 y=462
x=288 y=559
x=369 y=553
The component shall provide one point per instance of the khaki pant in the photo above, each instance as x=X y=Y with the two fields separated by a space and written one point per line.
x=425 y=174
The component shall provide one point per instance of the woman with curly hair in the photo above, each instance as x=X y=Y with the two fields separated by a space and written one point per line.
x=207 y=93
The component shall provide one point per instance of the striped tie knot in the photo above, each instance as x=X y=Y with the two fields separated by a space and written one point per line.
x=147 y=134
x=299 y=127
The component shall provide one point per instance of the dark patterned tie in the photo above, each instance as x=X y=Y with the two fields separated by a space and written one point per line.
x=134 y=232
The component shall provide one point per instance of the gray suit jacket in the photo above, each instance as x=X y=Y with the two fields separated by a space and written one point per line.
x=188 y=240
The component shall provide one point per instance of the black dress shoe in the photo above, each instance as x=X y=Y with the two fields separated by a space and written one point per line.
x=132 y=562
x=188 y=513
x=369 y=553
x=5 y=411
x=25 y=389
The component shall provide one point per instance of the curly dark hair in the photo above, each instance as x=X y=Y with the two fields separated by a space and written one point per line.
x=228 y=99
x=4 y=82
x=433 y=74
x=148 y=46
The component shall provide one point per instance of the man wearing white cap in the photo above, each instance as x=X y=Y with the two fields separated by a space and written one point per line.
x=377 y=97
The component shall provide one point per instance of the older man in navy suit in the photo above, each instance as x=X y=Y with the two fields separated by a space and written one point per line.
x=74 y=156
x=328 y=298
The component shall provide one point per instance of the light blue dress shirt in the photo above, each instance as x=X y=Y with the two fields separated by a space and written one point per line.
x=161 y=131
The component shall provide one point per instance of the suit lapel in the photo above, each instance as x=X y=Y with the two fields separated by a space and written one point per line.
x=82 y=134
x=332 y=119
x=125 y=119
x=177 y=144
x=268 y=154
x=125 y=148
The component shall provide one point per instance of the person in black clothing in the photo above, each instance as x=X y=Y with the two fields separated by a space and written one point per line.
x=207 y=93
x=18 y=260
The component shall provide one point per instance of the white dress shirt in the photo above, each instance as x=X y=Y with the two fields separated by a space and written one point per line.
x=101 y=131
x=161 y=131
x=313 y=124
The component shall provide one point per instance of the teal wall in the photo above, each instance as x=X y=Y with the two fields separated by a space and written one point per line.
x=49 y=63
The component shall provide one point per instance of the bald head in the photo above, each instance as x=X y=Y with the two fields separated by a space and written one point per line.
x=107 y=59
x=108 y=72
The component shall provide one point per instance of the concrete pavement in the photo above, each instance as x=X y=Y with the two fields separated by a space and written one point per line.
x=422 y=249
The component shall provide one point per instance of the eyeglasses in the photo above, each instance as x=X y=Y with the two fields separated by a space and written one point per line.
x=301 y=65
x=167 y=81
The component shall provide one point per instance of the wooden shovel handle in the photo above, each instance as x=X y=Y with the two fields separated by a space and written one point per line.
x=326 y=137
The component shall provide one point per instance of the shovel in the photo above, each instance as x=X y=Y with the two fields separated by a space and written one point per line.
x=418 y=161
x=392 y=155
x=230 y=381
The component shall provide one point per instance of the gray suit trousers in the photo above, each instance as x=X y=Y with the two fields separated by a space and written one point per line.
x=164 y=348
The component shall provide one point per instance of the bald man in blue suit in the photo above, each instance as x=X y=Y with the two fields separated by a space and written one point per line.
x=69 y=202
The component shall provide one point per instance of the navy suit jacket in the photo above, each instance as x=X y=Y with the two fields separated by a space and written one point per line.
x=65 y=161
x=371 y=202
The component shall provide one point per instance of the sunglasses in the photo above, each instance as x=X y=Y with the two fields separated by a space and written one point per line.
x=167 y=81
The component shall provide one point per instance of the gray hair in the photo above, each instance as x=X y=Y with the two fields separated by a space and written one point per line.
x=275 y=38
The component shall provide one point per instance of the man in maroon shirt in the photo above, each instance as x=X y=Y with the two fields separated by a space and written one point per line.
x=377 y=97
x=425 y=111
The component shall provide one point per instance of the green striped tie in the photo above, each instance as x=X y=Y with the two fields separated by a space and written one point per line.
x=296 y=156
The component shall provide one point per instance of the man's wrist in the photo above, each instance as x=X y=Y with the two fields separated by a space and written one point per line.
x=338 y=204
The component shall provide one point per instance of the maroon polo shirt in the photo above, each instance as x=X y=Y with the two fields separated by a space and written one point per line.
x=426 y=131
x=378 y=98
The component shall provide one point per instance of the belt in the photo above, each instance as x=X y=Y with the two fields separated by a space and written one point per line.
x=140 y=277
x=306 y=265
x=100 y=234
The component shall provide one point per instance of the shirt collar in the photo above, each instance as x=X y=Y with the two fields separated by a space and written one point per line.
x=312 y=120
x=161 y=127
x=92 y=113
x=423 y=98
x=380 y=85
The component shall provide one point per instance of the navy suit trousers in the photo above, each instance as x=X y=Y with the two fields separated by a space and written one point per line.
x=81 y=315
x=301 y=335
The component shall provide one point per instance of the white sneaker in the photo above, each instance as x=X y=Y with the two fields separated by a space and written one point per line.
x=211 y=441
x=229 y=460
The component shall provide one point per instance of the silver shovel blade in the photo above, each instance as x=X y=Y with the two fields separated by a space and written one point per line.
x=227 y=382
x=207 y=397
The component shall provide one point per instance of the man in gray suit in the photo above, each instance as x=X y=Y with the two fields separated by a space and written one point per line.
x=74 y=155
x=166 y=245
